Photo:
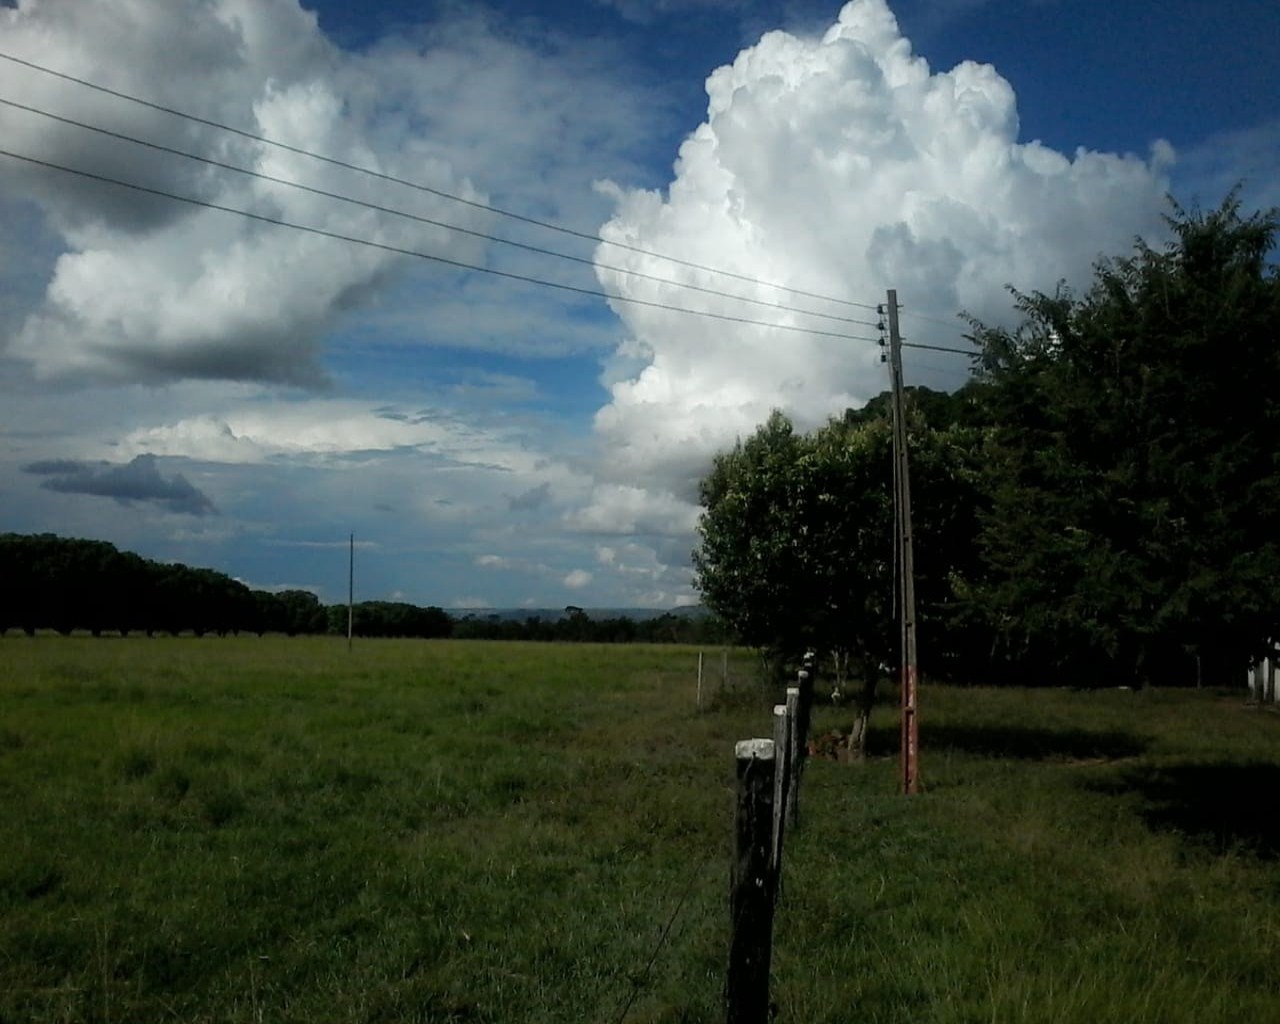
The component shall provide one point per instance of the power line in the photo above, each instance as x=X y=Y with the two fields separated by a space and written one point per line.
x=548 y=225
x=939 y=348
x=933 y=320
x=951 y=326
x=421 y=219
x=399 y=250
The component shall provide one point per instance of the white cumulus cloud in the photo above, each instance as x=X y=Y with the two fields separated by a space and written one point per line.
x=152 y=289
x=320 y=428
x=625 y=510
x=841 y=165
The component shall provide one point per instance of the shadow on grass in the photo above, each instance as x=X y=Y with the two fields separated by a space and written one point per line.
x=1022 y=743
x=1224 y=806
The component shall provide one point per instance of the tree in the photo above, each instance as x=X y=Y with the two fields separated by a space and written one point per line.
x=796 y=538
x=1133 y=531
x=300 y=611
x=753 y=556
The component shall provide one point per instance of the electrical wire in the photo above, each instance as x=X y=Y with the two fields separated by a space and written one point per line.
x=939 y=348
x=547 y=225
x=424 y=220
x=509 y=275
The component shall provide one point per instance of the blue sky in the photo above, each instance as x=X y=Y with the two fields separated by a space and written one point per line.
x=199 y=386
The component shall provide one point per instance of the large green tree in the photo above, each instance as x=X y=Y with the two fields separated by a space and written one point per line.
x=795 y=547
x=796 y=539
x=1133 y=470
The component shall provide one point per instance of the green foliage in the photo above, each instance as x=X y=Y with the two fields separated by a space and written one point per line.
x=1134 y=524
x=391 y=618
x=297 y=611
x=577 y=626
x=1100 y=504
x=796 y=537
x=67 y=584
x=759 y=545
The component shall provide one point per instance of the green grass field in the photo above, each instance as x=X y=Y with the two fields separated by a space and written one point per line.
x=277 y=830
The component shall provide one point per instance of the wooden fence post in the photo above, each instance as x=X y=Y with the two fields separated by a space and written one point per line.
x=751 y=884
x=783 y=740
x=794 y=753
x=805 y=682
x=804 y=712
x=699 y=680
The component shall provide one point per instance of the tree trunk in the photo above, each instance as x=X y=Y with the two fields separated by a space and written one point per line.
x=856 y=747
x=840 y=661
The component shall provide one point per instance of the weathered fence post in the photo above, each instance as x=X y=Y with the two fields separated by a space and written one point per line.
x=805 y=682
x=699 y=680
x=804 y=708
x=751 y=885
x=783 y=741
x=794 y=753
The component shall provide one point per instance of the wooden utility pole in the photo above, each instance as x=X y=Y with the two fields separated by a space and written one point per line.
x=351 y=590
x=905 y=559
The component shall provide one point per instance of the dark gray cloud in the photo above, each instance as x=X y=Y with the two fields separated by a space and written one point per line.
x=531 y=499
x=54 y=467
x=137 y=480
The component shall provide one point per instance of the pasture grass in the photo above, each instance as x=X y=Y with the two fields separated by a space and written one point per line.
x=275 y=830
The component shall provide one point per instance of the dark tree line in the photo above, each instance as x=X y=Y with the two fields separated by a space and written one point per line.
x=391 y=619
x=1133 y=526
x=576 y=626
x=67 y=584
x=1099 y=504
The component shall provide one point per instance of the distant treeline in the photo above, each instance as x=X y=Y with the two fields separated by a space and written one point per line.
x=576 y=626
x=65 y=584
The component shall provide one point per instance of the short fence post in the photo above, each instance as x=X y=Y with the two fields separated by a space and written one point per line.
x=794 y=753
x=804 y=711
x=783 y=738
x=805 y=681
x=699 y=680
x=724 y=667
x=751 y=883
